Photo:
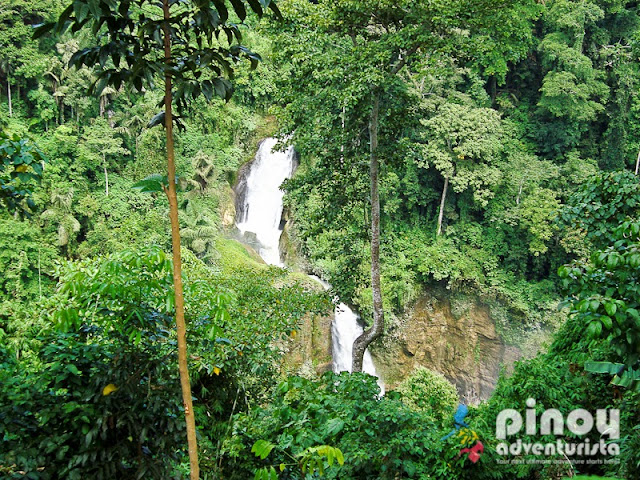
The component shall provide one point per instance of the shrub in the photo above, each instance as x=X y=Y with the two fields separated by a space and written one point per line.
x=429 y=392
x=380 y=437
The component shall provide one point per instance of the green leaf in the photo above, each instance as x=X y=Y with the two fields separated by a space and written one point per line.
x=157 y=119
x=334 y=426
x=73 y=369
x=238 y=7
x=262 y=448
x=611 y=309
x=604 y=367
x=594 y=330
x=42 y=29
x=152 y=184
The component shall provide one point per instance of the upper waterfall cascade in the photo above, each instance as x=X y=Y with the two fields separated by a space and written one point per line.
x=261 y=214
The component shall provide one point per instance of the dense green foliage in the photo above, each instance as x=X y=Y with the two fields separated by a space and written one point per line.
x=21 y=167
x=604 y=295
x=526 y=118
x=102 y=353
x=515 y=139
x=379 y=437
x=428 y=392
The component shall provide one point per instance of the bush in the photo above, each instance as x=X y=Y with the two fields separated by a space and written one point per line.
x=429 y=392
x=380 y=437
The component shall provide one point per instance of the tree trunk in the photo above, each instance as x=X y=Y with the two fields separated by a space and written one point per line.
x=442 y=200
x=493 y=89
x=362 y=342
x=106 y=176
x=177 y=262
x=9 y=96
x=519 y=192
x=637 y=163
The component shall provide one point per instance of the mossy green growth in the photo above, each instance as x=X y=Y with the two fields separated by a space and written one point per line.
x=234 y=255
x=429 y=392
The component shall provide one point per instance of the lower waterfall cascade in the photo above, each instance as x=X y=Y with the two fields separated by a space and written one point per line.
x=261 y=215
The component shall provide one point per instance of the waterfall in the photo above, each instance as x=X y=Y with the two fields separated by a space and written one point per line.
x=259 y=220
x=262 y=212
x=344 y=331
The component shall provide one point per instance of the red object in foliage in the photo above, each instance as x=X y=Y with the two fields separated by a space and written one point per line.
x=475 y=452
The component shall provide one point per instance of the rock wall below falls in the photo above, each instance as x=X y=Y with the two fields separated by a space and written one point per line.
x=461 y=342
x=309 y=354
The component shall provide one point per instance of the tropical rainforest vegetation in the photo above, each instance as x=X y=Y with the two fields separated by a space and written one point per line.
x=488 y=147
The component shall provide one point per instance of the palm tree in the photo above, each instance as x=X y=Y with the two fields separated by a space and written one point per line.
x=105 y=98
x=59 y=212
x=204 y=174
x=199 y=234
x=130 y=124
x=203 y=177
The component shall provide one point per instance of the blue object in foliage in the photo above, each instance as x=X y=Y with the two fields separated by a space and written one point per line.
x=458 y=419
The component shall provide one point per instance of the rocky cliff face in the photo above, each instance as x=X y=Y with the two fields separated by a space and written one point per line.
x=309 y=354
x=448 y=333
x=454 y=336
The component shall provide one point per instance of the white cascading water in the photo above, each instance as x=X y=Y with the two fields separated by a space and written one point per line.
x=262 y=216
x=263 y=199
x=344 y=331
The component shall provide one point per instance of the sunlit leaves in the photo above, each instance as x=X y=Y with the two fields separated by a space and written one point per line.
x=262 y=448
x=312 y=460
x=21 y=167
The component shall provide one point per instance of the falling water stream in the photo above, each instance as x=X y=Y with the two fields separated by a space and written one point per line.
x=262 y=212
x=261 y=216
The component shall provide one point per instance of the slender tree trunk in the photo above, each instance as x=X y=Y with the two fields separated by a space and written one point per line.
x=442 y=200
x=519 y=192
x=344 y=114
x=39 y=275
x=177 y=262
x=637 y=163
x=362 y=342
x=9 y=96
x=106 y=176
x=493 y=89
